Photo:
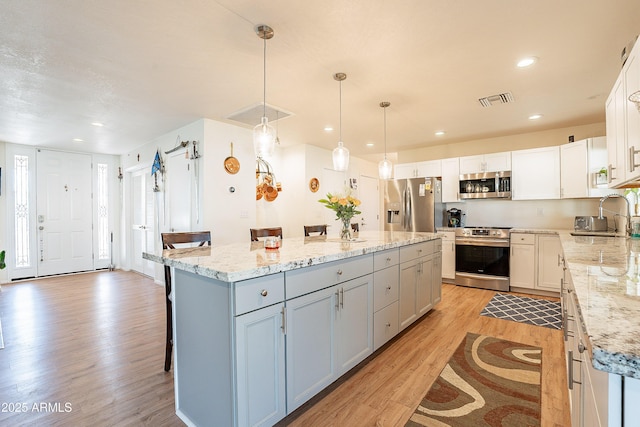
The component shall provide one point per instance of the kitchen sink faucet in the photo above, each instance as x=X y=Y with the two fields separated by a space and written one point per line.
x=627 y=216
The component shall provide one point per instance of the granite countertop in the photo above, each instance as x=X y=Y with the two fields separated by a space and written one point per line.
x=241 y=261
x=605 y=272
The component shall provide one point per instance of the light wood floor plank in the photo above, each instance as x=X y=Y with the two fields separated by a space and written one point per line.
x=97 y=341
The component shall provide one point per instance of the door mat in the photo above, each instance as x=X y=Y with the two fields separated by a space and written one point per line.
x=534 y=311
x=487 y=382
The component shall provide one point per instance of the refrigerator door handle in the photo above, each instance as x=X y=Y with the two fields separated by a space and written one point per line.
x=407 y=211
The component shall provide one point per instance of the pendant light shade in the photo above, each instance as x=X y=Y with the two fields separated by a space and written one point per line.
x=340 y=153
x=385 y=167
x=263 y=134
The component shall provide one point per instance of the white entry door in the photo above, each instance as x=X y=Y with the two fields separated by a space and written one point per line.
x=64 y=220
x=369 y=195
x=142 y=224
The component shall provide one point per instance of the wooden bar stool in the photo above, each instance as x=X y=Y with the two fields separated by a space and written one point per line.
x=169 y=240
x=264 y=232
x=322 y=229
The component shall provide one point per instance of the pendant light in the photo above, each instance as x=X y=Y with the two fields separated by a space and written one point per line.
x=340 y=153
x=385 y=167
x=263 y=134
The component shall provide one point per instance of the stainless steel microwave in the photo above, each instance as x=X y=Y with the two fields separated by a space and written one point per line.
x=486 y=185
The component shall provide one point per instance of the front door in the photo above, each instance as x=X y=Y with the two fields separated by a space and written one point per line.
x=64 y=218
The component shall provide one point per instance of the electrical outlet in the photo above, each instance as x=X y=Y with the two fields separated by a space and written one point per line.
x=244 y=214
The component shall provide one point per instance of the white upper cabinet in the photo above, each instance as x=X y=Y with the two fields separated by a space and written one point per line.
x=623 y=123
x=429 y=168
x=493 y=162
x=535 y=174
x=450 y=180
x=616 y=146
x=580 y=164
x=404 y=170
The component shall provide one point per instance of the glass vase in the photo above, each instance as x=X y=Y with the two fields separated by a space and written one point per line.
x=345 y=232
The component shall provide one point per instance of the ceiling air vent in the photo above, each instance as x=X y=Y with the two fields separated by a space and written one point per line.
x=501 y=98
x=252 y=114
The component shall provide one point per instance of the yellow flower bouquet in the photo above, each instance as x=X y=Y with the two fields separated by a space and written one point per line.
x=345 y=208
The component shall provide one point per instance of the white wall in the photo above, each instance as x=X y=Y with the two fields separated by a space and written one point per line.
x=3 y=207
x=228 y=215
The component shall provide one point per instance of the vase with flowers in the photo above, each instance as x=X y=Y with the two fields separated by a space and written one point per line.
x=345 y=207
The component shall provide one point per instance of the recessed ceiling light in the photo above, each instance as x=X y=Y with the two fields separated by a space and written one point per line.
x=525 y=62
x=439 y=133
x=78 y=140
x=328 y=128
x=370 y=144
x=97 y=124
x=535 y=116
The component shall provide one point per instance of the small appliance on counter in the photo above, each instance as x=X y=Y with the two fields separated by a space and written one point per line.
x=455 y=218
x=590 y=223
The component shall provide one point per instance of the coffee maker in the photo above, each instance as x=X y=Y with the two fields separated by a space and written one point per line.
x=455 y=218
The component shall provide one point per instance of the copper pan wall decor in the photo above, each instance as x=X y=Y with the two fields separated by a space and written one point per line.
x=231 y=164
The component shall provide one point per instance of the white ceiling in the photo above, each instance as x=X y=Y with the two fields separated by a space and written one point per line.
x=144 y=68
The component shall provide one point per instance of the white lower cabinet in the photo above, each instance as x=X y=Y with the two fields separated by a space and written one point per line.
x=386 y=280
x=549 y=262
x=448 y=256
x=596 y=398
x=522 y=261
x=328 y=332
x=260 y=367
x=416 y=278
x=436 y=280
x=535 y=262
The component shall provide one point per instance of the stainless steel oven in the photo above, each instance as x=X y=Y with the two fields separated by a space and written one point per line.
x=482 y=257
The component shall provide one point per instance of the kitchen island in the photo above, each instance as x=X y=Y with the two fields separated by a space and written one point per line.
x=333 y=303
x=601 y=314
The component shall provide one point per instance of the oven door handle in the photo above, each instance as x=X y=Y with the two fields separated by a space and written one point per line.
x=497 y=243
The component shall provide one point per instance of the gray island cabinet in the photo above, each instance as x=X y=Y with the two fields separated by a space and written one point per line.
x=259 y=332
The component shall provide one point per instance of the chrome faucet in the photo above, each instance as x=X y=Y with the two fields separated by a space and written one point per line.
x=628 y=215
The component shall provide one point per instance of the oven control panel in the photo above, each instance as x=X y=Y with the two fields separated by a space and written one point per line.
x=486 y=232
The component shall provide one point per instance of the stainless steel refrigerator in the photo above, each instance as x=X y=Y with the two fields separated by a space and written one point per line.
x=413 y=204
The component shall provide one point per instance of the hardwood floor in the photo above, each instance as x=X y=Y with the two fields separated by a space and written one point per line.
x=90 y=347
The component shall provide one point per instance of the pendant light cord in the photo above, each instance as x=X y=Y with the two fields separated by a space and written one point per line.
x=264 y=78
x=340 y=110
x=385 y=133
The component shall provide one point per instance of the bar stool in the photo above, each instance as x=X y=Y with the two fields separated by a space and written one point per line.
x=322 y=229
x=169 y=240
x=264 y=232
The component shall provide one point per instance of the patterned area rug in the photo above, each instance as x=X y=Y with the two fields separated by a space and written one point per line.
x=487 y=382
x=533 y=311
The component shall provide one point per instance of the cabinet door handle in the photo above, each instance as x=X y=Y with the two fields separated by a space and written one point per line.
x=632 y=158
x=388 y=325
x=570 y=361
x=389 y=288
x=388 y=259
x=284 y=319
x=341 y=297
x=610 y=177
x=337 y=300
x=340 y=272
x=264 y=293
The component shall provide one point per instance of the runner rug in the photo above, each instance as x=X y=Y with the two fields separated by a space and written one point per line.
x=487 y=382
x=534 y=311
